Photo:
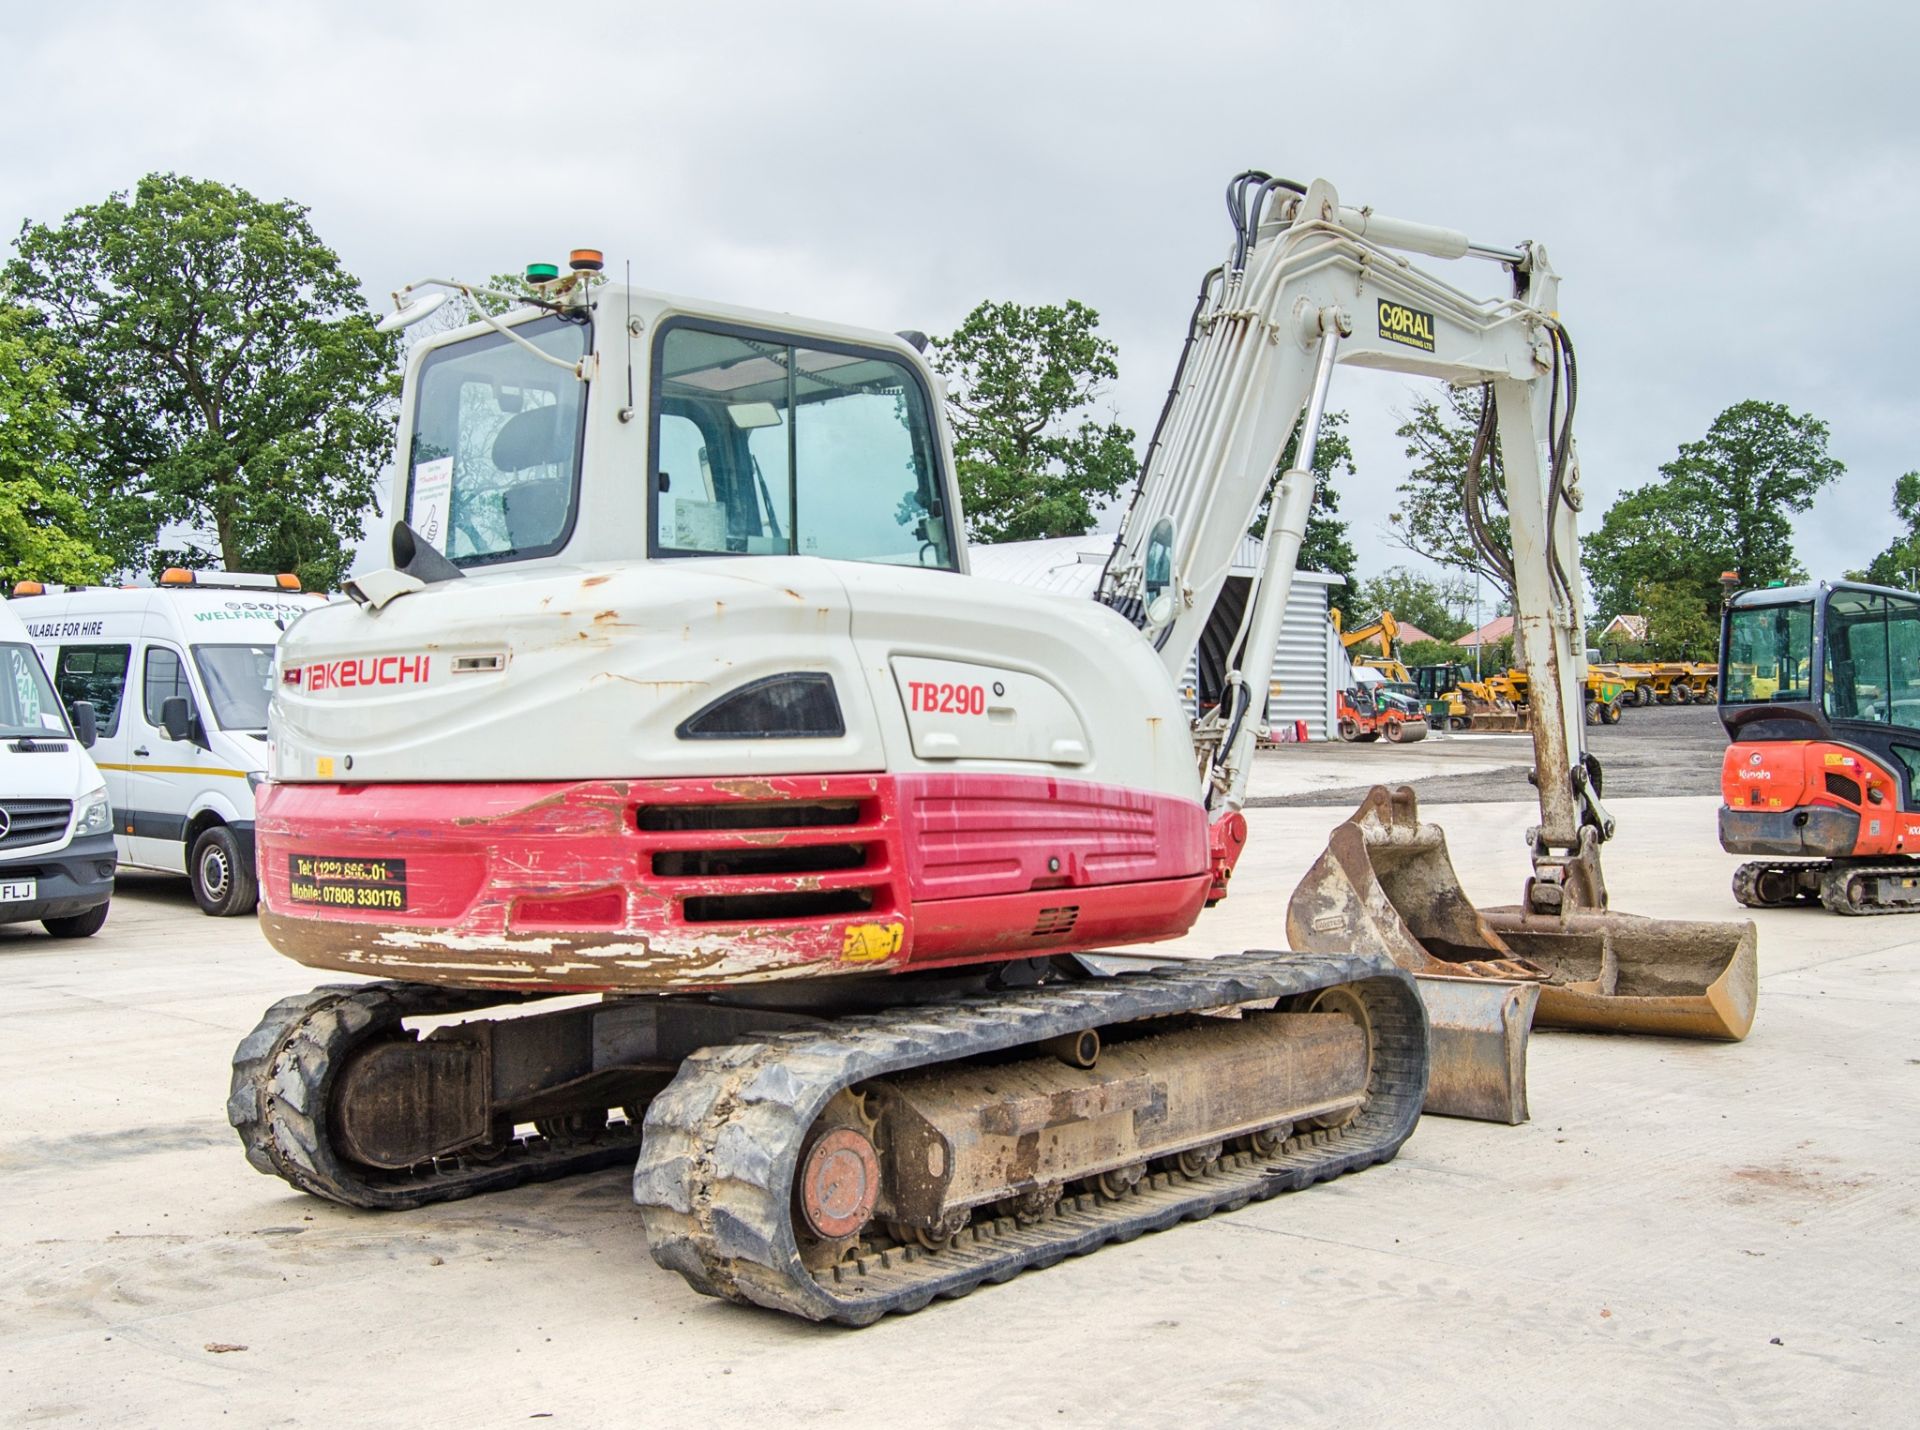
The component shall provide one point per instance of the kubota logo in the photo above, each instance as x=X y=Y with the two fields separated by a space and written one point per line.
x=350 y=674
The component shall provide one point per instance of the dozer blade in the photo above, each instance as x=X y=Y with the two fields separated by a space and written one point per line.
x=1620 y=973
x=1512 y=721
x=1385 y=885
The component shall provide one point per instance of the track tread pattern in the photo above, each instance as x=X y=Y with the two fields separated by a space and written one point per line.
x=279 y=1102
x=715 y=1173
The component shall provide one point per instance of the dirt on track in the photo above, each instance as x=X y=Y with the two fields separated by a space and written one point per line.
x=1655 y=751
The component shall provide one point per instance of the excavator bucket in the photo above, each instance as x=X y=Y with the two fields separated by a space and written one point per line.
x=1477 y=1040
x=1619 y=973
x=1386 y=883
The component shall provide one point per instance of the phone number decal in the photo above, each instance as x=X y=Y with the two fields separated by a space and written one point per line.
x=335 y=883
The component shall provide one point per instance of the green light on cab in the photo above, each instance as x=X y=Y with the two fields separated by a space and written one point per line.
x=542 y=272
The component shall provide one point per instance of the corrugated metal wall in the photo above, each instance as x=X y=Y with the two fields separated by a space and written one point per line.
x=1306 y=661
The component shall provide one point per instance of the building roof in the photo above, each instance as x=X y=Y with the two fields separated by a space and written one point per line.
x=1497 y=629
x=1071 y=565
x=1409 y=633
x=1633 y=628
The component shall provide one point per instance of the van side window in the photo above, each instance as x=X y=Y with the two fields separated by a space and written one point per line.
x=166 y=677
x=97 y=673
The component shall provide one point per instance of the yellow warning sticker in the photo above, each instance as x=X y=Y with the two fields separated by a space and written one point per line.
x=323 y=767
x=870 y=943
x=1833 y=758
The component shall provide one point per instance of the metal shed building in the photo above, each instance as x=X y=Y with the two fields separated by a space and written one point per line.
x=1307 y=660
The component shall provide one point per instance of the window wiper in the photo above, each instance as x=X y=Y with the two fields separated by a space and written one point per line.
x=29 y=745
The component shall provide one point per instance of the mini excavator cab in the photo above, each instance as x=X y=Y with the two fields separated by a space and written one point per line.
x=1820 y=695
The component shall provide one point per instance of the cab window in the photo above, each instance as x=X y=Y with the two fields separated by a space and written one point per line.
x=95 y=673
x=763 y=447
x=1769 y=654
x=1873 y=658
x=166 y=677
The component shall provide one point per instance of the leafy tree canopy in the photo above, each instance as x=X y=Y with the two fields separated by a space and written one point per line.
x=1679 y=626
x=1032 y=460
x=1433 y=496
x=226 y=374
x=1726 y=502
x=1435 y=606
x=1899 y=564
x=45 y=531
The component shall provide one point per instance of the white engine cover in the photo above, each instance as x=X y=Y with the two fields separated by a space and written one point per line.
x=586 y=672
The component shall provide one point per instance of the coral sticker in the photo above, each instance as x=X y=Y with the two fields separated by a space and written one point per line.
x=870 y=943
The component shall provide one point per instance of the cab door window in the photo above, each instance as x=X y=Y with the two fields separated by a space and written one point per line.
x=166 y=677
x=95 y=673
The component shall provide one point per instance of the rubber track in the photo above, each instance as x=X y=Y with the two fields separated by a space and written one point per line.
x=716 y=1169
x=1834 y=881
x=279 y=1102
x=1746 y=884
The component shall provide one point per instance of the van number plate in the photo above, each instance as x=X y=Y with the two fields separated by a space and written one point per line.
x=347 y=883
x=19 y=891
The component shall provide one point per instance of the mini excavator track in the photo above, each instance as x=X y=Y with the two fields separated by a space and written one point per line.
x=840 y=1168
x=754 y=1140
x=1852 y=887
x=283 y=1103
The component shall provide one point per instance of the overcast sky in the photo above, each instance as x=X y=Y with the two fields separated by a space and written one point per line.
x=1731 y=192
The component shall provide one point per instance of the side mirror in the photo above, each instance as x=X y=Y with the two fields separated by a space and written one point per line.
x=175 y=718
x=86 y=723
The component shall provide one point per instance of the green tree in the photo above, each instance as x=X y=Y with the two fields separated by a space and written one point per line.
x=1724 y=503
x=1679 y=626
x=227 y=375
x=1417 y=600
x=1430 y=521
x=1032 y=461
x=1899 y=564
x=1324 y=546
x=45 y=531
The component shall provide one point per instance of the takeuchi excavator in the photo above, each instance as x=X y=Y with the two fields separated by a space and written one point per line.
x=678 y=693
x=1820 y=695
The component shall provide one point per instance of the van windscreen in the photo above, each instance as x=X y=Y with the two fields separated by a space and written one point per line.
x=239 y=682
x=28 y=705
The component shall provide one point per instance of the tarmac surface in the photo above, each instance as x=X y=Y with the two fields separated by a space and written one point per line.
x=1655 y=751
x=1699 y=1234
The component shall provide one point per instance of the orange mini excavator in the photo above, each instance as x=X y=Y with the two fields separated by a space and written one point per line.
x=1820 y=694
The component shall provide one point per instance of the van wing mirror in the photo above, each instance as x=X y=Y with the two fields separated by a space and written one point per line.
x=175 y=718
x=86 y=723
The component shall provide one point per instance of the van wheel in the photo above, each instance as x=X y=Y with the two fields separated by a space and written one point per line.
x=223 y=884
x=77 y=925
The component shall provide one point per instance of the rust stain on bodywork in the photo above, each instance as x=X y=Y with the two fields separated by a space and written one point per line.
x=599 y=580
x=751 y=789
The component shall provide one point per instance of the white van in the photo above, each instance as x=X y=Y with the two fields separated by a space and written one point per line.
x=56 y=831
x=178 y=675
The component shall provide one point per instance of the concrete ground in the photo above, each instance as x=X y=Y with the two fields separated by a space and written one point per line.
x=1685 y=1233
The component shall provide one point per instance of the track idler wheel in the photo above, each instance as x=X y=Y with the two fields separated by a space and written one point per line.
x=838 y=1184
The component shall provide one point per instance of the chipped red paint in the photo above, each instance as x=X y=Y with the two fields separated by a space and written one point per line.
x=651 y=883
